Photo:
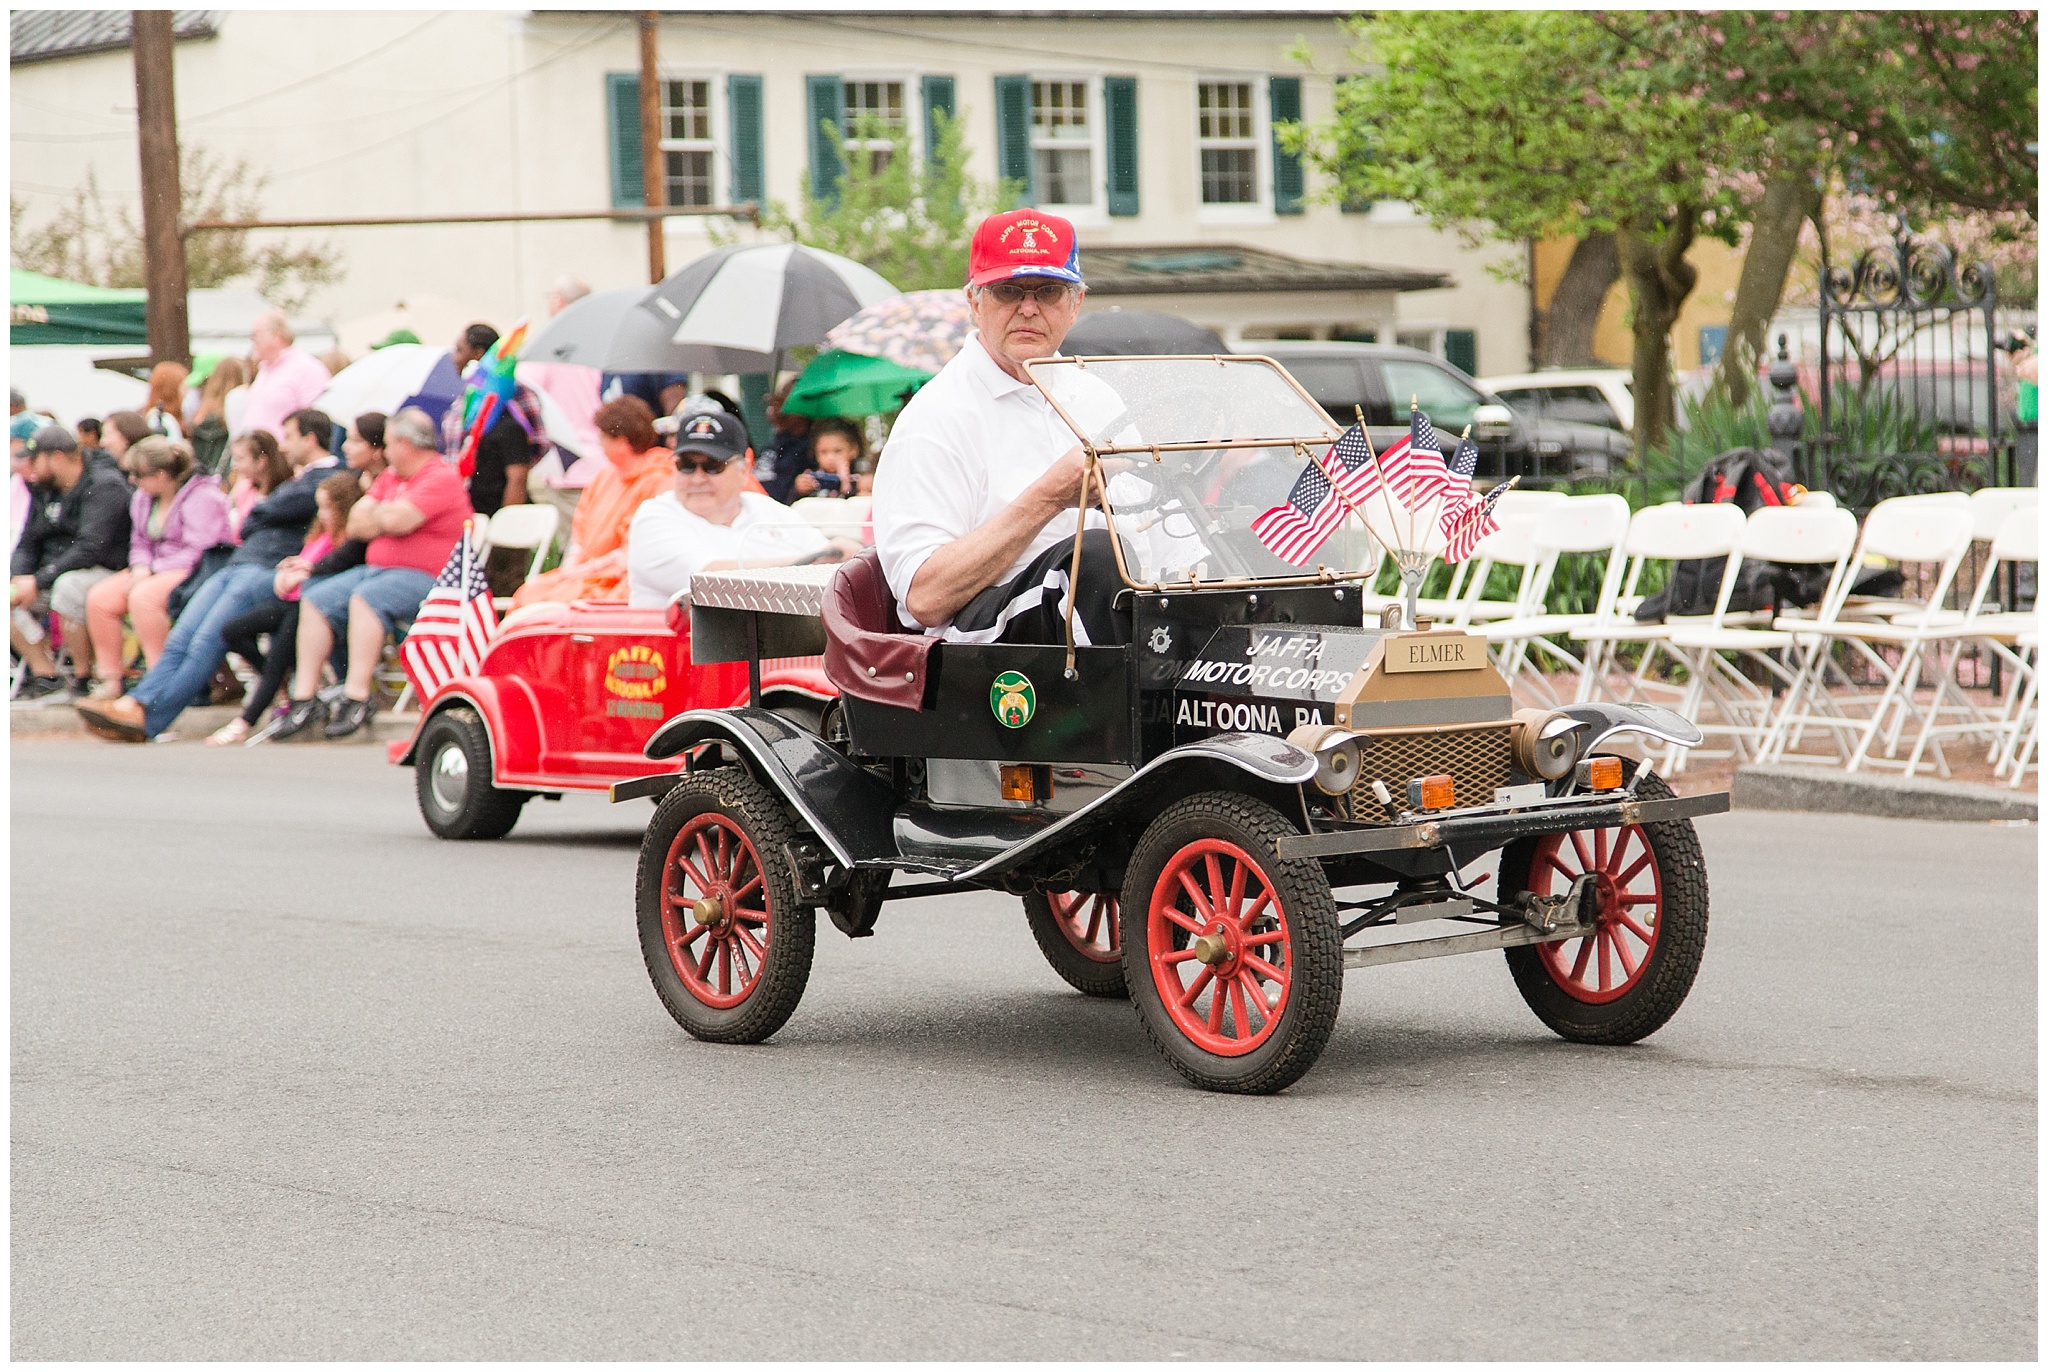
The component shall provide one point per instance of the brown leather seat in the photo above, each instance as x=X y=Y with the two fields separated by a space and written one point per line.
x=868 y=652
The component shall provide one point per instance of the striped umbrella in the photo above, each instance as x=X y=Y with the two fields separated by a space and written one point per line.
x=750 y=303
x=922 y=330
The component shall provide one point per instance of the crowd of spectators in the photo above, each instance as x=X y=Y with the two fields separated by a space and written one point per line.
x=228 y=539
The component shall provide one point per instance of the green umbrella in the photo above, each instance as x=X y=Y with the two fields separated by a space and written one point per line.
x=43 y=309
x=850 y=385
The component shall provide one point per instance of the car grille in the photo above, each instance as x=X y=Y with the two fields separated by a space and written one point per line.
x=1478 y=760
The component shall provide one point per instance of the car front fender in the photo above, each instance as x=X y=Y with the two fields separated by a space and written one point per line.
x=846 y=807
x=511 y=722
x=1604 y=721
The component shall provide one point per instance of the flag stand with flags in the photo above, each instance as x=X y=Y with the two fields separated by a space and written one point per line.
x=454 y=625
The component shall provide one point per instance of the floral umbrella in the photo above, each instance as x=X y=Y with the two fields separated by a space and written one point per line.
x=920 y=331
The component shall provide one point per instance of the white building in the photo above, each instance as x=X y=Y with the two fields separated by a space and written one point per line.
x=1152 y=131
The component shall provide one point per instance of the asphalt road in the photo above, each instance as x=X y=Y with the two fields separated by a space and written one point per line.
x=291 y=1079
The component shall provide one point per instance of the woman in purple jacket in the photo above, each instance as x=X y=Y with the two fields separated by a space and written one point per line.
x=177 y=514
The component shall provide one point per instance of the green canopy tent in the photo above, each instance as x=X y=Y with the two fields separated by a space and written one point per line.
x=44 y=309
x=850 y=386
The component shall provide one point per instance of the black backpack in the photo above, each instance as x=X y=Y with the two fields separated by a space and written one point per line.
x=1752 y=479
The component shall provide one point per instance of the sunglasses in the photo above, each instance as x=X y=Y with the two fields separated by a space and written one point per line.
x=702 y=462
x=1010 y=293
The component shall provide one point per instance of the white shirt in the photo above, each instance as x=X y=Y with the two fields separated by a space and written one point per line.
x=964 y=447
x=666 y=545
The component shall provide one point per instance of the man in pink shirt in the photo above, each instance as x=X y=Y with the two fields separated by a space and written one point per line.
x=287 y=377
x=412 y=517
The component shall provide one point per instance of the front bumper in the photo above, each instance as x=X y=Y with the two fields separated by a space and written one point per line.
x=1475 y=834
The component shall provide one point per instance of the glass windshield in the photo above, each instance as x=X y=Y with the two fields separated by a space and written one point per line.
x=1207 y=467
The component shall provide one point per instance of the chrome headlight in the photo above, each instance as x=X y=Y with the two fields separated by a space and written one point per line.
x=1335 y=750
x=1546 y=743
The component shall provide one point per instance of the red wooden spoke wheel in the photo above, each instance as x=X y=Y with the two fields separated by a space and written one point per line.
x=1607 y=964
x=723 y=929
x=1628 y=977
x=1081 y=935
x=714 y=911
x=1220 y=952
x=1089 y=920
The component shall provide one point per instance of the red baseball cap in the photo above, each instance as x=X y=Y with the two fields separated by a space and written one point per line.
x=1023 y=243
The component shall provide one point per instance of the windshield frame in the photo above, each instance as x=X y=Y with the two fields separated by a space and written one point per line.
x=1320 y=576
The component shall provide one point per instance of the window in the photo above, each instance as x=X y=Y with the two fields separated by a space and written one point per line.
x=687 y=149
x=876 y=107
x=1224 y=126
x=1335 y=382
x=1449 y=402
x=1062 y=143
x=1582 y=405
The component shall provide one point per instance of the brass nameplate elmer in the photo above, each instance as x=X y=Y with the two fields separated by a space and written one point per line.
x=1456 y=652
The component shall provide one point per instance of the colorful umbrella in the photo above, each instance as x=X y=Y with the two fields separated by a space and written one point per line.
x=850 y=385
x=921 y=330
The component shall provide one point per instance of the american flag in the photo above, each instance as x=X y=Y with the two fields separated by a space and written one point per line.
x=1422 y=469
x=1458 y=479
x=1350 y=467
x=1295 y=530
x=1472 y=523
x=454 y=625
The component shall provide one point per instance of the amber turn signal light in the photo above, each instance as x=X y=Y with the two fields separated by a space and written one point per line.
x=1432 y=793
x=1599 y=773
x=1024 y=781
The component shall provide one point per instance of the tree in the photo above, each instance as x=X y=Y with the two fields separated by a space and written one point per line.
x=1519 y=125
x=87 y=240
x=1918 y=112
x=908 y=220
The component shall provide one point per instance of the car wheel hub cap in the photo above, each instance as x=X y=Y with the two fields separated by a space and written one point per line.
x=451 y=777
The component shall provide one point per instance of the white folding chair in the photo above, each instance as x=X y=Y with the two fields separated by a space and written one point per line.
x=1581 y=524
x=2025 y=730
x=1997 y=632
x=1800 y=535
x=1819 y=500
x=1669 y=533
x=1909 y=531
x=1884 y=607
x=1463 y=604
x=524 y=527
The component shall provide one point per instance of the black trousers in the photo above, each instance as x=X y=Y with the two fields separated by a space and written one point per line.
x=279 y=619
x=1031 y=607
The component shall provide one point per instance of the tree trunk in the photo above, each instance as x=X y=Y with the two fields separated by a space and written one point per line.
x=1791 y=197
x=1659 y=280
x=1575 y=305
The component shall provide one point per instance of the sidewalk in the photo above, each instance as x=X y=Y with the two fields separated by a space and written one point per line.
x=47 y=719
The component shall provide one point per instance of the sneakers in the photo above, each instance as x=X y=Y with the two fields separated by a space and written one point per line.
x=300 y=717
x=349 y=716
x=228 y=734
x=42 y=687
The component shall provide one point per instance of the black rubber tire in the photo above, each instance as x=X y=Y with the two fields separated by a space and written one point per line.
x=480 y=810
x=793 y=927
x=1314 y=932
x=1076 y=968
x=1674 y=960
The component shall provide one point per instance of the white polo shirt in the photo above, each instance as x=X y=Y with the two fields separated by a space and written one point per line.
x=964 y=447
x=666 y=544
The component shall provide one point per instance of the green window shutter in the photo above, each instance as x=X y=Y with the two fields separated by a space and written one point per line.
x=827 y=105
x=743 y=115
x=622 y=109
x=1461 y=350
x=1013 y=134
x=1284 y=92
x=938 y=99
x=1120 y=116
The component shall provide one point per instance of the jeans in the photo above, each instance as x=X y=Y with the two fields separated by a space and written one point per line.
x=195 y=649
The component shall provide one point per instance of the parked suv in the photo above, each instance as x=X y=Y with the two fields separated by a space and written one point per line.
x=1575 y=395
x=1380 y=378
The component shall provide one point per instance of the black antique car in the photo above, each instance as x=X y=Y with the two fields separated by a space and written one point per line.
x=1272 y=782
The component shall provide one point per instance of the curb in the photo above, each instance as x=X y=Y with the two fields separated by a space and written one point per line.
x=61 y=721
x=1789 y=786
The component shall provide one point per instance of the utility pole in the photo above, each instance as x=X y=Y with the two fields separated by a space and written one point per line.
x=163 y=245
x=653 y=174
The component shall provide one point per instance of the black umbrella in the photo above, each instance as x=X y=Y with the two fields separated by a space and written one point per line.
x=607 y=331
x=1139 y=333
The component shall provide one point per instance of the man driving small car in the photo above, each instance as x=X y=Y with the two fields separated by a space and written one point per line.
x=975 y=494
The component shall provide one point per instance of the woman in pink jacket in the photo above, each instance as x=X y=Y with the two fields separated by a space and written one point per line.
x=178 y=513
